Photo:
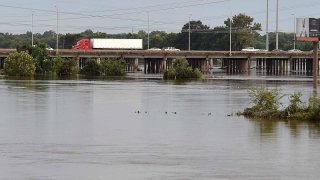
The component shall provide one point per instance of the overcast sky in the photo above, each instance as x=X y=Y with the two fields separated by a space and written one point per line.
x=116 y=16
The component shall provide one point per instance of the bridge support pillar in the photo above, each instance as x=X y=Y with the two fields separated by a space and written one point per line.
x=205 y=65
x=2 y=62
x=163 y=64
x=136 y=65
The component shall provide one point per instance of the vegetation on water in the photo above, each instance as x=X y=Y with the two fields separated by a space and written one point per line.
x=40 y=55
x=29 y=61
x=266 y=105
x=92 y=68
x=113 y=67
x=180 y=70
x=105 y=67
x=65 y=66
x=20 y=64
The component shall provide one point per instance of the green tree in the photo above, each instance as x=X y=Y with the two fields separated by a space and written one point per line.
x=113 y=67
x=92 y=67
x=40 y=55
x=19 y=64
x=65 y=66
x=198 y=33
x=244 y=30
x=180 y=70
x=194 y=25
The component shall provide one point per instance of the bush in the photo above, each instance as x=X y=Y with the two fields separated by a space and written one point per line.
x=170 y=74
x=40 y=56
x=180 y=70
x=19 y=64
x=65 y=66
x=266 y=106
x=92 y=67
x=265 y=103
x=111 y=67
x=296 y=105
x=197 y=73
x=314 y=108
x=264 y=99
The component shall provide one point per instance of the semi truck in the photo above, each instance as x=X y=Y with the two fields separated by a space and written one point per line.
x=98 y=43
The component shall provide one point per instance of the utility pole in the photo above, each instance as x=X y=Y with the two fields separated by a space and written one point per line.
x=267 y=27
x=315 y=68
x=148 y=32
x=230 y=21
x=189 y=33
x=32 y=31
x=57 y=44
x=294 y=31
x=277 y=26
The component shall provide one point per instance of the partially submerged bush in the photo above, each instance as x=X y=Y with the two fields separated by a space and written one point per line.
x=112 y=67
x=40 y=56
x=180 y=70
x=65 y=66
x=296 y=105
x=92 y=68
x=314 y=108
x=19 y=64
x=264 y=101
x=266 y=104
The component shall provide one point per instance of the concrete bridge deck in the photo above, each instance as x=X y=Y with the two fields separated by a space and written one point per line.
x=174 y=54
x=168 y=54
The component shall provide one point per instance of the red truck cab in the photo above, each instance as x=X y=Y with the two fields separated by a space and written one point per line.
x=82 y=44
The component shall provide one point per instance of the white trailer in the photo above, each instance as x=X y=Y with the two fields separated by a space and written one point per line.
x=116 y=43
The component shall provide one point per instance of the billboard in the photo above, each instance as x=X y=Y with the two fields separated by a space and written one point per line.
x=308 y=28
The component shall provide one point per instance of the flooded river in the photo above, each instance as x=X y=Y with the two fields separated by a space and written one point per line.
x=148 y=129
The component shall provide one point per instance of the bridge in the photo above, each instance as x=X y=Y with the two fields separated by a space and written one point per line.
x=155 y=61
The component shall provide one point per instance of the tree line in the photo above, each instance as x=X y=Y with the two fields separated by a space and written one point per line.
x=245 y=33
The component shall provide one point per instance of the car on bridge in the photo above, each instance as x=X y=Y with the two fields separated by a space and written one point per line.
x=295 y=51
x=154 y=49
x=249 y=49
x=49 y=48
x=170 y=49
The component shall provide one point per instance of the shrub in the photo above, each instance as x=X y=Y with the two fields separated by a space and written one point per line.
x=19 y=64
x=111 y=67
x=65 y=66
x=40 y=56
x=314 y=108
x=266 y=106
x=170 y=74
x=265 y=103
x=197 y=73
x=180 y=70
x=265 y=99
x=92 y=67
x=296 y=105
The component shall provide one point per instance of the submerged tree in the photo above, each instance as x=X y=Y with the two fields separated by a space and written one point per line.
x=65 y=66
x=113 y=67
x=19 y=64
x=180 y=70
